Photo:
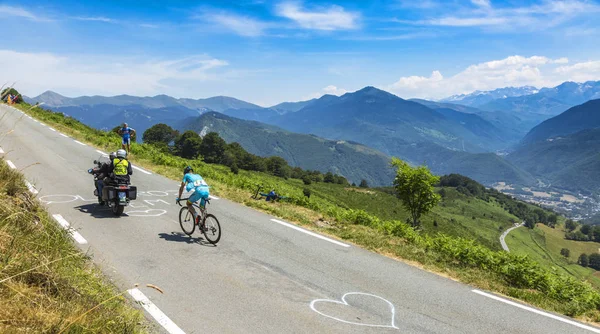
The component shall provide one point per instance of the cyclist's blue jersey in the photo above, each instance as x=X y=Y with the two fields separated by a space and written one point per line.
x=126 y=132
x=193 y=181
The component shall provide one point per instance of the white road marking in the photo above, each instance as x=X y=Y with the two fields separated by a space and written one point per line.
x=31 y=187
x=1 y=150
x=101 y=152
x=531 y=309
x=65 y=224
x=309 y=232
x=155 y=312
x=64 y=135
x=344 y=302
x=141 y=170
x=78 y=142
x=52 y=129
x=212 y=197
x=10 y=164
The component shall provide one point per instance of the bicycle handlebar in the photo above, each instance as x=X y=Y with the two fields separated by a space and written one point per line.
x=185 y=199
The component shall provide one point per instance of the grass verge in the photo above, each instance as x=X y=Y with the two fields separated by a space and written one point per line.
x=456 y=257
x=46 y=284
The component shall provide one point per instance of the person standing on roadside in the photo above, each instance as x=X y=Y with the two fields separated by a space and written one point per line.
x=126 y=133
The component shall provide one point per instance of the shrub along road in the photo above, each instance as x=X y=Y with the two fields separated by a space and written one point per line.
x=263 y=276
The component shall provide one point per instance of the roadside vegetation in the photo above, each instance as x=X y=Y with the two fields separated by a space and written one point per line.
x=470 y=217
x=46 y=284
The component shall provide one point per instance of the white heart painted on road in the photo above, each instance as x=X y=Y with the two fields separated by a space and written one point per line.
x=314 y=303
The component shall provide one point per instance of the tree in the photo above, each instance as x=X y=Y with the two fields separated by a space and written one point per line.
x=552 y=220
x=586 y=229
x=234 y=168
x=160 y=133
x=306 y=192
x=570 y=225
x=415 y=188
x=306 y=179
x=363 y=184
x=188 y=145
x=583 y=260
x=329 y=178
x=594 y=261
x=565 y=252
x=212 y=148
x=596 y=233
x=278 y=167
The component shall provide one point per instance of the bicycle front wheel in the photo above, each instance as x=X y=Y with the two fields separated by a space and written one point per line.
x=186 y=221
x=211 y=229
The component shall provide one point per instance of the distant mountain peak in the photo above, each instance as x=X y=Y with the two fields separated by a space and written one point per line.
x=478 y=97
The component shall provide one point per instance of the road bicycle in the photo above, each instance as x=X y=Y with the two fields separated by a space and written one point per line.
x=207 y=223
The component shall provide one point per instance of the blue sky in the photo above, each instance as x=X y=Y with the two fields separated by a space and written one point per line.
x=268 y=52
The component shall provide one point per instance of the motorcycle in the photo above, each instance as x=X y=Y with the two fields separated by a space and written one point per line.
x=116 y=194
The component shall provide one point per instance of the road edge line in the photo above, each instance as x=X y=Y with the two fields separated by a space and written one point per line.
x=531 y=309
x=141 y=170
x=10 y=164
x=316 y=235
x=155 y=312
x=65 y=224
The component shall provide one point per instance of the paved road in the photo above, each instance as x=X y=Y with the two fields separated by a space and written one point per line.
x=502 y=242
x=264 y=277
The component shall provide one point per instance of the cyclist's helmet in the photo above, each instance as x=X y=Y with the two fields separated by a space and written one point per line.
x=112 y=156
x=121 y=154
x=187 y=170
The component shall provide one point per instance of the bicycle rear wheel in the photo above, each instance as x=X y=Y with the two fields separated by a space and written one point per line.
x=211 y=228
x=186 y=221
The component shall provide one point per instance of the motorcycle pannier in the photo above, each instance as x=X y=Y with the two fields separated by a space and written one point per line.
x=132 y=192
x=108 y=193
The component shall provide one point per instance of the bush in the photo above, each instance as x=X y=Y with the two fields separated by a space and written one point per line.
x=306 y=192
x=234 y=169
x=565 y=252
x=306 y=179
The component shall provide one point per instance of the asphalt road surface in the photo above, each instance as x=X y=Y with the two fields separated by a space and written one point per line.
x=263 y=277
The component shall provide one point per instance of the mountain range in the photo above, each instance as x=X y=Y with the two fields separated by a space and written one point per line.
x=563 y=151
x=449 y=137
x=352 y=160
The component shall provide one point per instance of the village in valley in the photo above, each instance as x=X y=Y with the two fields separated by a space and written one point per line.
x=576 y=206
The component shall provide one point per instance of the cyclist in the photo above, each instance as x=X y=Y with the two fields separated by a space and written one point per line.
x=193 y=181
x=126 y=132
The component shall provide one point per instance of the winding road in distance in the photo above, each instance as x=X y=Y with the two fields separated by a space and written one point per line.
x=265 y=275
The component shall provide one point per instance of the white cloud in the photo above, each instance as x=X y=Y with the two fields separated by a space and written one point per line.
x=331 y=18
x=241 y=25
x=329 y=90
x=580 y=72
x=548 y=13
x=38 y=72
x=94 y=18
x=481 y=3
x=20 y=12
x=511 y=71
x=148 y=25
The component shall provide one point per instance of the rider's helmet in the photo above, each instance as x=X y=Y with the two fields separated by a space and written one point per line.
x=187 y=170
x=112 y=155
x=121 y=153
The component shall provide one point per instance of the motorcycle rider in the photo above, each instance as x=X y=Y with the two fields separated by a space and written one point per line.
x=103 y=174
x=120 y=167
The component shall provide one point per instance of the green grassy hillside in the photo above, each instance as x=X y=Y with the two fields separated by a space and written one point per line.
x=543 y=244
